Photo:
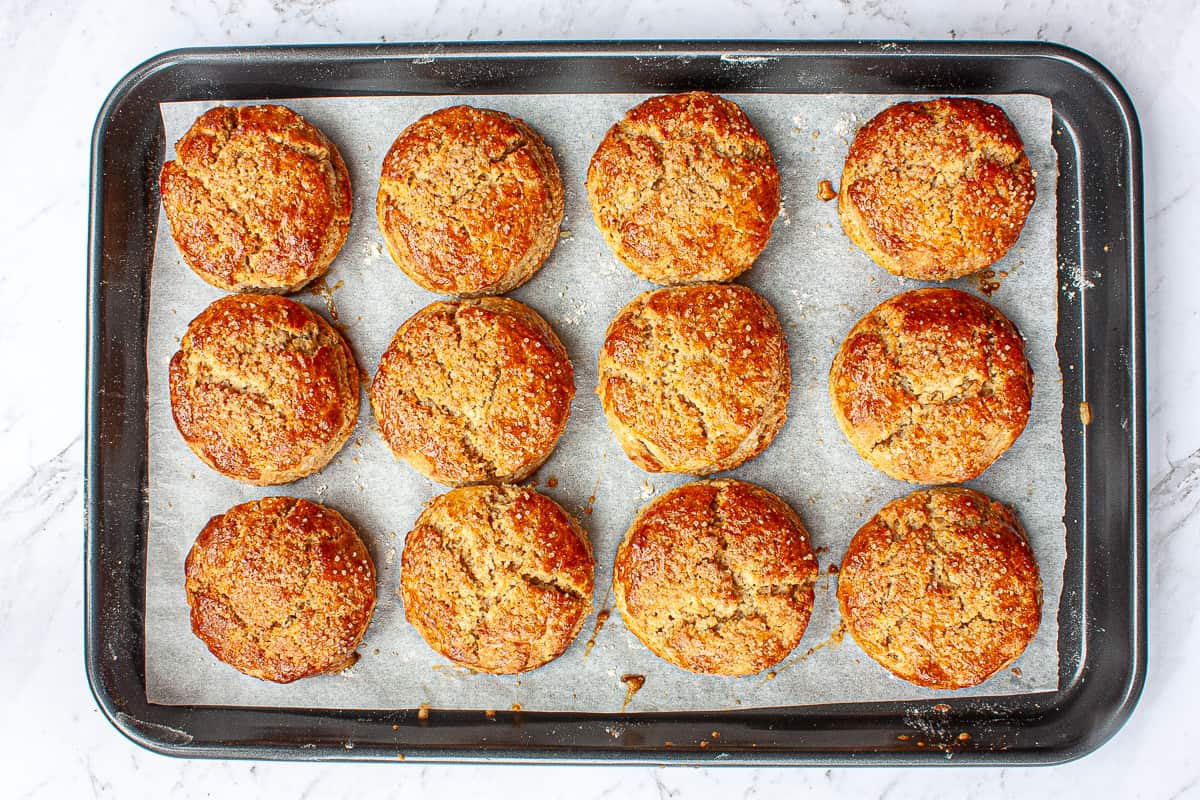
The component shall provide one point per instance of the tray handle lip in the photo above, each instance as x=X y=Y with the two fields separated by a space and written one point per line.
x=979 y=48
x=1133 y=680
x=172 y=742
x=114 y=710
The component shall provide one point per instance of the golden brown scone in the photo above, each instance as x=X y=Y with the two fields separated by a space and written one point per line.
x=684 y=189
x=497 y=578
x=474 y=390
x=695 y=379
x=932 y=386
x=716 y=577
x=280 y=589
x=936 y=190
x=470 y=201
x=257 y=198
x=263 y=389
x=941 y=588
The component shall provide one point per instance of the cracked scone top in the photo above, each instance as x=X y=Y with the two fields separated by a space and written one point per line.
x=263 y=389
x=684 y=189
x=257 y=198
x=472 y=391
x=695 y=379
x=497 y=578
x=938 y=189
x=932 y=386
x=716 y=577
x=941 y=588
x=470 y=201
x=280 y=589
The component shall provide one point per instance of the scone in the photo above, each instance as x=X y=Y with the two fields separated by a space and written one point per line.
x=473 y=391
x=263 y=389
x=932 y=386
x=941 y=588
x=716 y=577
x=938 y=189
x=257 y=198
x=695 y=379
x=280 y=589
x=470 y=201
x=497 y=578
x=684 y=189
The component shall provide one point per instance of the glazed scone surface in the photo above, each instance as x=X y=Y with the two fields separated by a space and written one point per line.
x=473 y=390
x=497 y=578
x=470 y=201
x=938 y=189
x=695 y=379
x=257 y=198
x=280 y=589
x=684 y=189
x=263 y=389
x=941 y=588
x=716 y=577
x=932 y=386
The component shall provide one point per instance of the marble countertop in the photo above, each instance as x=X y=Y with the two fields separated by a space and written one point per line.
x=60 y=62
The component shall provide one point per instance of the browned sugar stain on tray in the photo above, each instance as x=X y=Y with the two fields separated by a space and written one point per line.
x=824 y=577
x=633 y=684
x=936 y=727
x=601 y=618
x=319 y=288
x=1085 y=413
x=591 y=501
x=989 y=281
x=825 y=191
x=456 y=671
x=835 y=638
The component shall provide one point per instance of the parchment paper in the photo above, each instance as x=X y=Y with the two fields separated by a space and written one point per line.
x=818 y=283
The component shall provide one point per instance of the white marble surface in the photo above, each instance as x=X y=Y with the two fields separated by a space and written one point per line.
x=60 y=60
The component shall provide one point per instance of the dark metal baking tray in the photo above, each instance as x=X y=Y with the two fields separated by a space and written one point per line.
x=1102 y=616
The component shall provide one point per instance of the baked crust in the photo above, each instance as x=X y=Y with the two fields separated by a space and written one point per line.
x=695 y=379
x=470 y=201
x=936 y=190
x=932 y=386
x=716 y=577
x=684 y=189
x=258 y=199
x=280 y=589
x=263 y=389
x=497 y=578
x=941 y=588
x=475 y=390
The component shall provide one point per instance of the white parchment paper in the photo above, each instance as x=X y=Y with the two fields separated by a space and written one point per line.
x=818 y=283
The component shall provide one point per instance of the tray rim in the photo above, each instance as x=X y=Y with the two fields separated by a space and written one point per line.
x=167 y=740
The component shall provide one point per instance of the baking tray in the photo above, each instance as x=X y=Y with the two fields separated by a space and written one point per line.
x=1102 y=616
